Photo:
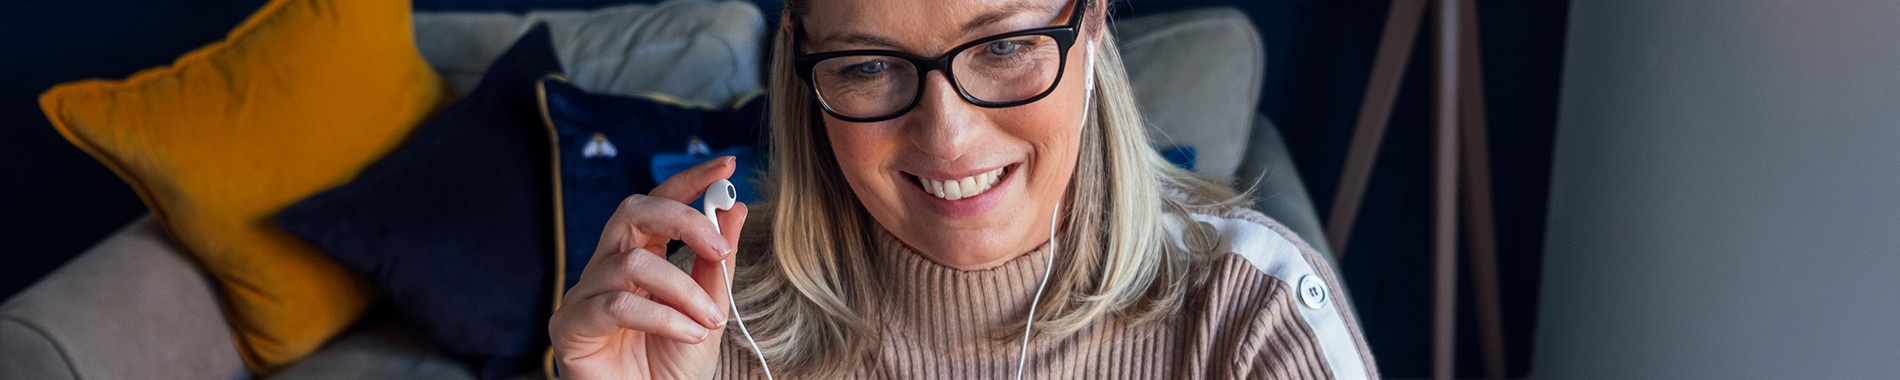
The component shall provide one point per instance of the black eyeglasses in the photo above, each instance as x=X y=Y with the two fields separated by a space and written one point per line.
x=1004 y=70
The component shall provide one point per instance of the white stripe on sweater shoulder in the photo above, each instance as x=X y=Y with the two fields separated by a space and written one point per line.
x=1248 y=236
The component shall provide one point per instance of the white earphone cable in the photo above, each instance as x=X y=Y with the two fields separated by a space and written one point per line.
x=730 y=300
x=1022 y=359
x=734 y=303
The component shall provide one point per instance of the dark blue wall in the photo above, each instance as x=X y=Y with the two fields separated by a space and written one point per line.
x=1319 y=54
x=56 y=201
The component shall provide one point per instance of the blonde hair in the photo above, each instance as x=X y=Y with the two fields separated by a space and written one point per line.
x=813 y=237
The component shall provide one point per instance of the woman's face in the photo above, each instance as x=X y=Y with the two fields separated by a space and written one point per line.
x=895 y=165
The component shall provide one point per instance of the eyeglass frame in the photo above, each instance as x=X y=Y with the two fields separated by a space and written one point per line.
x=1064 y=36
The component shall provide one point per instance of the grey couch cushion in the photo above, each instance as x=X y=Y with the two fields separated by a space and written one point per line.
x=697 y=50
x=1268 y=176
x=132 y=307
x=382 y=346
x=1197 y=76
x=27 y=352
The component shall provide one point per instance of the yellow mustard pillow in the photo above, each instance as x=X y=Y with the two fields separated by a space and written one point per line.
x=297 y=99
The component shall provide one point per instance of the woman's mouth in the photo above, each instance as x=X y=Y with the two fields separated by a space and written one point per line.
x=967 y=196
x=966 y=187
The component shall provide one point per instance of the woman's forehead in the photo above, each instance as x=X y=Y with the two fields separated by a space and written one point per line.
x=921 y=25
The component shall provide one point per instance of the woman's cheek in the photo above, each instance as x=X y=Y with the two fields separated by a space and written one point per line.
x=862 y=151
x=1052 y=132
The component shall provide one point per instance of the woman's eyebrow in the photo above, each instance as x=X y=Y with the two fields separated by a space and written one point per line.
x=1000 y=14
x=865 y=39
x=987 y=18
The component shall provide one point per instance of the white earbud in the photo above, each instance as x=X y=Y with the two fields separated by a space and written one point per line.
x=1088 y=86
x=1088 y=83
x=721 y=196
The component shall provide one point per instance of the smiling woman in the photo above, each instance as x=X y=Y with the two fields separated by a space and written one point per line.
x=934 y=211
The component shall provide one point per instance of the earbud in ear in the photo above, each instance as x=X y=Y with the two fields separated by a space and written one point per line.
x=721 y=195
x=1088 y=82
x=1088 y=85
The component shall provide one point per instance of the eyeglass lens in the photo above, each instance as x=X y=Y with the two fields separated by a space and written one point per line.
x=1000 y=71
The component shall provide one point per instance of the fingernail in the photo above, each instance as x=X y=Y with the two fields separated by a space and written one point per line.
x=723 y=248
x=729 y=160
x=719 y=317
x=702 y=332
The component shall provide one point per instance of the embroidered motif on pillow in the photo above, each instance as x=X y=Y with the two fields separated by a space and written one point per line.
x=612 y=147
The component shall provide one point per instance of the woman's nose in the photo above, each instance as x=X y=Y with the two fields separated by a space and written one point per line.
x=942 y=123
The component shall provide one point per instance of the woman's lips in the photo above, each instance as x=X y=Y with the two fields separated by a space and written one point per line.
x=965 y=196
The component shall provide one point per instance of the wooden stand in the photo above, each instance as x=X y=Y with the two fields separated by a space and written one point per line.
x=1458 y=122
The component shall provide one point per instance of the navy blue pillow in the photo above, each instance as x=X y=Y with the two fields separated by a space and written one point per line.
x=455 y=227
x=612 y=147
x=1182 y=156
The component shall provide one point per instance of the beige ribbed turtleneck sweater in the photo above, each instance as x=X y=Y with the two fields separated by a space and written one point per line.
x=1247 y=322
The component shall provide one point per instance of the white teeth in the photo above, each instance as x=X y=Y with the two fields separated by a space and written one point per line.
x=953 y=191
x=961 y=188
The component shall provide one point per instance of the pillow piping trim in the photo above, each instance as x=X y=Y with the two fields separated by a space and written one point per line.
x=560 y=216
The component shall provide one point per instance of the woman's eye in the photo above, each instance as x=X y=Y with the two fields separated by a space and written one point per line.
x=1005 y=47
x=867 y=68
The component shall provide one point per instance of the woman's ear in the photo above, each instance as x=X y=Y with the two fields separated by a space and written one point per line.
x=785 y=24
x=1095 y=21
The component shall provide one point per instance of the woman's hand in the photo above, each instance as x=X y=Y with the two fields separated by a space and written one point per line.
x=635 y=315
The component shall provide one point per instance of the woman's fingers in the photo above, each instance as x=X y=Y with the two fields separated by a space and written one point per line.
x=688 y=185
x=665 y=214
x=606 y=313
x=642 y=218
x=730 y=223
x=612 y=292
x=706 y=268
x=641 y=271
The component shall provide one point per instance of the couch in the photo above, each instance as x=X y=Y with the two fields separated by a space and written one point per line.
x=134 y=306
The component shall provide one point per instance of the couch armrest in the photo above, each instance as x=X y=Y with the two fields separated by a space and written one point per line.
x=131 y=307
x=1197 y=76
x=1267 y=171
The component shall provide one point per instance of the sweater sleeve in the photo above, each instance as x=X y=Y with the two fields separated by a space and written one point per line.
x=1299 y=324
x=1279 y=344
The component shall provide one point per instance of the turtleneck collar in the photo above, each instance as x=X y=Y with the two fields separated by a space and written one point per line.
x=923 y=294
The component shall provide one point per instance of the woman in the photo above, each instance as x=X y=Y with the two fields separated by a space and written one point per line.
x=948 y=198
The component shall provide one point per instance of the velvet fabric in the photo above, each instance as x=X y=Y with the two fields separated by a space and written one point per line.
x=455 y=227
x=298 y=98
x=612 y=147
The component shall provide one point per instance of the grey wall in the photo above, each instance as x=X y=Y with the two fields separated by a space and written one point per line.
x=1725 y=193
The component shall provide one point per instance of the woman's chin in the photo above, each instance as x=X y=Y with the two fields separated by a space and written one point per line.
x=965 y=252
